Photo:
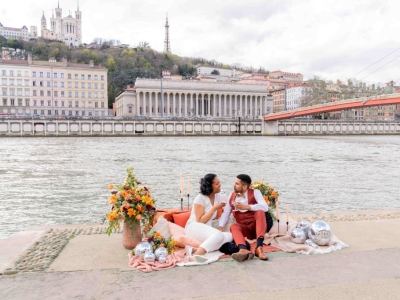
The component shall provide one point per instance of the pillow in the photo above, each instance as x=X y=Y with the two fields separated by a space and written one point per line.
x=162 y=227
x=178 y=234
x=181 y=218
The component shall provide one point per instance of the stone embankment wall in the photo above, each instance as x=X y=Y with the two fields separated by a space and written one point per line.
x=35 y=128
x=329 y=127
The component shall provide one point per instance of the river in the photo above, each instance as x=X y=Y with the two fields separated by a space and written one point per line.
x=65 y=180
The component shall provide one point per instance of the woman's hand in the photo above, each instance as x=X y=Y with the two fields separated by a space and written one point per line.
x=219 y=206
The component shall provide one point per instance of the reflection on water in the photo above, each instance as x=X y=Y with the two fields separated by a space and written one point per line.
x=65 y=180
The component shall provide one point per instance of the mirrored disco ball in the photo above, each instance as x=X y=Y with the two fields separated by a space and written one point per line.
x=149 y=257
x=320 y=233
x=161 y=252
x=142 y=248
x=298 y=236
x=305 y=225
x=162 y=259
x=311 y=243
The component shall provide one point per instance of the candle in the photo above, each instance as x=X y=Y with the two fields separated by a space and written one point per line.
x=287 y=213
x=188 y=188
x=181 y=185
x=277 y=211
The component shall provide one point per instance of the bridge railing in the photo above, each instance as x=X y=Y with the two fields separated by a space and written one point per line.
x=337 y=103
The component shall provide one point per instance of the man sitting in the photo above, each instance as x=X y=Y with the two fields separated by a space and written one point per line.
x=248 y=207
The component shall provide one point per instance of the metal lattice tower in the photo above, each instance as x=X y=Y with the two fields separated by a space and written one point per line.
x=167 y=46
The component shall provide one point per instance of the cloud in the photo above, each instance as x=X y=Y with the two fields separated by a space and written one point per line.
x=331 y=38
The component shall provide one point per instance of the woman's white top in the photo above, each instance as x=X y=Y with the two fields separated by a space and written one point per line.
x=206 y=203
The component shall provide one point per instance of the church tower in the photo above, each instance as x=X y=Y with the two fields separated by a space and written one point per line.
x=78 y=17
x=58 y=20
x=43 y=23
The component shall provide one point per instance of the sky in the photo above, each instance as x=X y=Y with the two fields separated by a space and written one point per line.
x=332 y=39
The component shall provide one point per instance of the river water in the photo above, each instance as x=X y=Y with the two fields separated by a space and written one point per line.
x=65 y=180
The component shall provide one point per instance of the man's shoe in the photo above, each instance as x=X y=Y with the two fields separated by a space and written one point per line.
x=242 y=255
x=260 y=253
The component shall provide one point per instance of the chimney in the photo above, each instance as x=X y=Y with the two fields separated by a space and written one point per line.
x=29 y=58
x=65 y=61
x=91 y=63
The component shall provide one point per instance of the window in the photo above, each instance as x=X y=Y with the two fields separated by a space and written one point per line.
x=42 y=93
x=62 y=75
x=83 y=112
x=96 y=95
x=102 y=104
x=26 y=102
x=12 y=92
x=69 y=76
x=4 y=73
x=76 y=85
x=95 y=77
x=12 y=100
x=55 y=93
x=56 y=112
x=96 y=104
x=83 y=94
x=83 y=104
x=11 y=81
x=83 y=85
x=70 y=113
x=89 y=85
x=41 y=102
x=41 y=74
x=55 y=103
x=42 y=112
x=62 y=104
x=11 y=73
x=19 y=73
x=55 y=75
x=62 y=84
x=48 y=93
x=62 y=93
x=41 y=83
x=49 y=112
x=63 y=112
x=19 y=82
x=130 y=109
x=34 y=102
x=48 y=74
x=33 y=83
x=26 y=82
x=48 y=102
x=76 y=76
x=69 y=84
x=102 y=77
x=89 y=77
x=4 y=92
x=89 y=94
x=4 y=102
x=77 y=113
x=76 y=103
x=69 y=103
x=102 y=95
x=56 y=84
x=96 y=86
x=48 y=83
x=69 y=94
x=102 y=86
x=4 y=81
x=76 y=94
x=83 y=77
x=19 y=92
x=90 y=104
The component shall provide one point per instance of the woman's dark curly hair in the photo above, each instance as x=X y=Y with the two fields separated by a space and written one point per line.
x=206 y=184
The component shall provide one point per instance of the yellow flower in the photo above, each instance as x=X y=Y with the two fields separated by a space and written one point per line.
x=112 y=216
x=111 y=187
x=146 y=199
x=157 y=235
x=113 y=199
x=131 y=212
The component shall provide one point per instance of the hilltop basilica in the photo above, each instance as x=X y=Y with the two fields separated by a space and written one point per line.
x=66 y=29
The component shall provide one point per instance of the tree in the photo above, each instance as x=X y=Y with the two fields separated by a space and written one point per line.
x=215 y=72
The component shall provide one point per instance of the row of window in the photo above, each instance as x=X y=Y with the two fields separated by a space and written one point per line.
x=19 y=92
x=69 y=113
x=49 y=103
x=83 y=85
x=48 y=75
x=12 y=81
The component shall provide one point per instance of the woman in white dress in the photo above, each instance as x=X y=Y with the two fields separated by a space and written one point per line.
x=204 y=210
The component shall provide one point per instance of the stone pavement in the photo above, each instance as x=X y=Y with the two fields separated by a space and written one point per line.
x=93 y=265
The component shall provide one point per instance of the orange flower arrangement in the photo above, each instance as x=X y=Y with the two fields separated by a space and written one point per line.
x=131 y=203
x=157 y=240
x=270 y=195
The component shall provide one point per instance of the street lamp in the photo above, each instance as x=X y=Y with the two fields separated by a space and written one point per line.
x=239 y=115
x=162 y=97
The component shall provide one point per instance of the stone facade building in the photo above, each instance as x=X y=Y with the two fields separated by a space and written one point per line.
x=18 y=33
x=193 y=98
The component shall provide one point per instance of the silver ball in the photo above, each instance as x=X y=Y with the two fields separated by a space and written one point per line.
x=162 y=259
x=161 y=251
x=298 y=236
x=142 y=248
x=320 y=233
x=310 y=243
x=149 y=257
x=305 y=225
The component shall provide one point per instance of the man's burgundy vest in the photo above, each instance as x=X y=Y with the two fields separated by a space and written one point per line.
x=247 y=217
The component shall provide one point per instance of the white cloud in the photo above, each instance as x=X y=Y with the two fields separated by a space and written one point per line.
x=332 y=39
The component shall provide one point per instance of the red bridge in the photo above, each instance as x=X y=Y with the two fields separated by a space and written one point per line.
x=335 y=106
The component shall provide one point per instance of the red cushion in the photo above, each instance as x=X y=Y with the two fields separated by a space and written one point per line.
x=181 y=218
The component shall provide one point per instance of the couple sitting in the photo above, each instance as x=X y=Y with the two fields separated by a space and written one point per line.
x=248 y=207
